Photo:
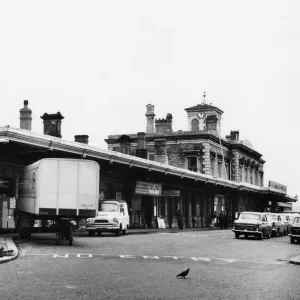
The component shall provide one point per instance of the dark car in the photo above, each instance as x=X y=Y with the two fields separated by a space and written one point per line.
x=295 y=230
x=252 y=224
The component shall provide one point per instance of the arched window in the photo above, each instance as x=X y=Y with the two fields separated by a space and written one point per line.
x=195 y=125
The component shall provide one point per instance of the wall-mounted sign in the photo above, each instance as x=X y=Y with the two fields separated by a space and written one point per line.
x=170 y=193
x=148 y=188
x=12 y=202
x=4 y=183
x=278 y=186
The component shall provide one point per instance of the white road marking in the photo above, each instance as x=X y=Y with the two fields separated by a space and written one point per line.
x=156 y=257
x=84 y=255
x=201 y=258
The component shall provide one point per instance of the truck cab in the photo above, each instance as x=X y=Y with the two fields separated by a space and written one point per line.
x=112 y=217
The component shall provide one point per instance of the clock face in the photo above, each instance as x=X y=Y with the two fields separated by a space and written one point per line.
x=53 y=122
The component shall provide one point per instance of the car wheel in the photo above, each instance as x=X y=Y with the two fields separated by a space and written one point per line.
x=246 y=236
x=292 y=240
x=91 y=233
x=260 y=236
x=125 y=231
x=118 y=232
x=237 y=235
x=268 y=235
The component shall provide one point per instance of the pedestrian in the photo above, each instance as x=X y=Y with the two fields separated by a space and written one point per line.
x=194 y=221
x=221 y=219
x=225 y=220
x=179 y=216
x=213 y=219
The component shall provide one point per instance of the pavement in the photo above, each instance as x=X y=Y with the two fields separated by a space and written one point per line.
x=7 y=243
x=6 y=240
x=295 y=260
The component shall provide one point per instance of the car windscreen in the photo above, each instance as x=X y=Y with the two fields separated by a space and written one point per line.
x=250 y=217
x=109 y=207
x=297 y=220
x=272 y=217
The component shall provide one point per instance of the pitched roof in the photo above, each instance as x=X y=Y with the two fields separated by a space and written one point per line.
x=203 y=106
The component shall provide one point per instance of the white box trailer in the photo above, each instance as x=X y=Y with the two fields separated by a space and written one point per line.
x=56 y=188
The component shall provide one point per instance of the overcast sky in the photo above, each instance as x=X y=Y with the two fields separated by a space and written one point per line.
x=101 y=62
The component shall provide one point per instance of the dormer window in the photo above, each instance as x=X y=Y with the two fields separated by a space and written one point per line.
x=195 y=125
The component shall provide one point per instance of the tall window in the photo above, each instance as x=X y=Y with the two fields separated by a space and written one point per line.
x=195 y=125
x=192 y=163
x=241 y=173
x=212 y=166
x=220 y=168
x=246 y=174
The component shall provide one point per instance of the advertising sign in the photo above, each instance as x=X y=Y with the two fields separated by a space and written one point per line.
x=170 y=193
x=148 y=188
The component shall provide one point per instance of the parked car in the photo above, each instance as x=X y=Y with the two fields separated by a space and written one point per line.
x=285 y=218
x=112 y=217
x=277 y=226
x=295 y=229
x=252 y=223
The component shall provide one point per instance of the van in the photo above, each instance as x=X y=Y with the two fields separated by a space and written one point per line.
x=112 y=217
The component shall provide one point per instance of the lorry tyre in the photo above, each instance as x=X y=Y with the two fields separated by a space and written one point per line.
x=125 y=231
x=57 y=238
x=292 y=240
x=237 y=235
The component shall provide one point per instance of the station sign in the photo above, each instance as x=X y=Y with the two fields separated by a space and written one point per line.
x=148 y=188
x=278 y=186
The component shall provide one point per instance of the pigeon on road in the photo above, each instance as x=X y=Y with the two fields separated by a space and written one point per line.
x=183 y=274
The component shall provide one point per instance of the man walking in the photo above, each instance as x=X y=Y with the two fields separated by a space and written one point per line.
x=221 y=219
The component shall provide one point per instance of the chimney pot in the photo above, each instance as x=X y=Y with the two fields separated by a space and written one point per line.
x=25 y=116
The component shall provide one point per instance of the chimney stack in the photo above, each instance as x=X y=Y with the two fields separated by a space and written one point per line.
x=161 y=151
x=84 y=139
x=141 y=150
x=234 y=135
x=52 y=124
x=150 y=118
x=25 y=116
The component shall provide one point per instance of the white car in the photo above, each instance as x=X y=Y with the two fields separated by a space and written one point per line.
x=112 y=217
x=286 y=219
x=278 y=227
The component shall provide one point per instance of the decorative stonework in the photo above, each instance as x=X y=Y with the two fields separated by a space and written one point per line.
x=235 y=166
x=206 y=158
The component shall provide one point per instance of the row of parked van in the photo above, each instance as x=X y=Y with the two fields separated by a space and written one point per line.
x=267 y=224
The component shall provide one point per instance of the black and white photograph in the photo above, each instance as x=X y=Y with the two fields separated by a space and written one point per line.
x=149 y=149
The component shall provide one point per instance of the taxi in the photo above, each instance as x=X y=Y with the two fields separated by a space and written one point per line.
x=295 y=229
x=252 y=224
x=277 y=226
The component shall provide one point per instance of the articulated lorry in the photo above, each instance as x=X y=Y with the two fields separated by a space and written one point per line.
x=56 y=189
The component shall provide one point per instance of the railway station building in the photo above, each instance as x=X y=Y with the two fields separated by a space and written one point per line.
x=156 y=171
